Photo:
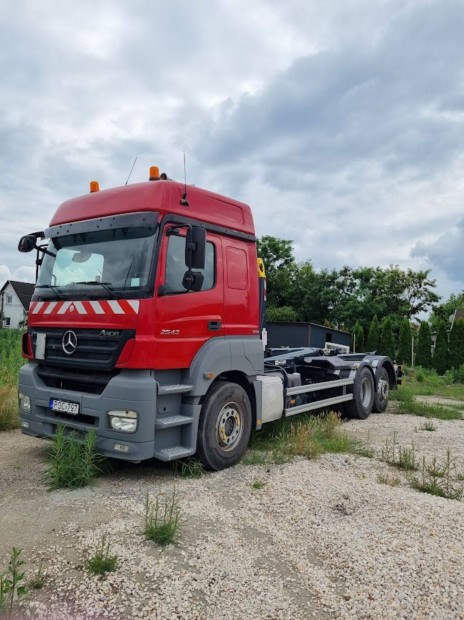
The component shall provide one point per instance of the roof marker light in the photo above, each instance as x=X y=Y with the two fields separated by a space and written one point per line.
x=154 y=173
x=94 y=186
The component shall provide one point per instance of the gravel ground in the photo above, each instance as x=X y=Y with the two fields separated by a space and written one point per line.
x=321 y=539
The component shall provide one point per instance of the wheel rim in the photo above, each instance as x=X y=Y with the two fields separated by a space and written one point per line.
x=366 y=392
x=229 y=426
x=382 y=390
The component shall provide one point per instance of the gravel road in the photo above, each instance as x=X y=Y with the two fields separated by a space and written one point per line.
x=321 y=539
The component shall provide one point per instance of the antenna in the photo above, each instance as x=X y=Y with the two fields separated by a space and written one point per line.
x=131 y=171
x=183 y=200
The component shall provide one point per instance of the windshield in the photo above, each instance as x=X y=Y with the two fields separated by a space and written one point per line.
x=104 y=263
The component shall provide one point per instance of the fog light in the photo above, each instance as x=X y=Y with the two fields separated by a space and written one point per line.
x=123 y=421
x=121 y=447
x=25 y=424
x=24 y=402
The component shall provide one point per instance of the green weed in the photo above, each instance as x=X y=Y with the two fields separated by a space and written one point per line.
x=258 y=484
x=428 y=426
x=12 y=583
x=162 y=519
x=189 y=468
x=439 y=478
x=102 y=561
x=394 y=454
x=38 y=581
x=74 y=463
x=390 y=479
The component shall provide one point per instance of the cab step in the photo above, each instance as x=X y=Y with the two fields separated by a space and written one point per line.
x=175 y=452
x=172 y=420
x=179 y=388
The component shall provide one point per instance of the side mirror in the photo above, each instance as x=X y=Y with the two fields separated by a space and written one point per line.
x=193 y=281
x=195 y=247
x=27 y=243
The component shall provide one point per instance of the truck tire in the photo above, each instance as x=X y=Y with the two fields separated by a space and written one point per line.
x=363 y=392
x=224 y=427
x=381 y=392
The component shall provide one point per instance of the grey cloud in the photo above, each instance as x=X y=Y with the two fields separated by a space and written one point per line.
x=354 y=104
x=445 y=254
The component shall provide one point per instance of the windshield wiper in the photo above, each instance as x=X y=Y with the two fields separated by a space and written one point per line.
x=105 y=285
x=58 y=292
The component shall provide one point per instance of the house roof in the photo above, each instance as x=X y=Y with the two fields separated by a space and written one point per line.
x=23 y=290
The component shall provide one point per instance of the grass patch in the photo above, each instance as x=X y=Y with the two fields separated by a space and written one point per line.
x=102 y=562
x=11 y=361
x=74 y=462
x=407 y=404
x=307 y=435
x=258 y=484
x=9 y=412
x=162 y=519
x=424 y=382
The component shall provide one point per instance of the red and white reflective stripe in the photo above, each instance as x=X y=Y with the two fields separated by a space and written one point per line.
x=92 y=308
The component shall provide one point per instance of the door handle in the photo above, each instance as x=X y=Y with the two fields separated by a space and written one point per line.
x=214 y=325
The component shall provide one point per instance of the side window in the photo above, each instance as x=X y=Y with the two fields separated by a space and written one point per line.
x=175 y=265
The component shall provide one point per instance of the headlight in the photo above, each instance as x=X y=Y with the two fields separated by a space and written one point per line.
x=123 y=421
x=24 y=402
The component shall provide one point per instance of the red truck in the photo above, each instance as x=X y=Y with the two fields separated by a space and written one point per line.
x=146 y=325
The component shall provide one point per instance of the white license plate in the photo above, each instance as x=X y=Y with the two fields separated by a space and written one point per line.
x=64 y=406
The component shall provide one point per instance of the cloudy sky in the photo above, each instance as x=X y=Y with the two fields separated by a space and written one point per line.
x=341 y=123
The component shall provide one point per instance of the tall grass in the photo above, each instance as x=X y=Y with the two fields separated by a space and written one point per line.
x=307 y=435
x=10 y=363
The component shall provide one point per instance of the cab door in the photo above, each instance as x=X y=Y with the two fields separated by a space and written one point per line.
x=185 y=320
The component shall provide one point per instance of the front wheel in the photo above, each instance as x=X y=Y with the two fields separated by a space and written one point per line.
x=225 y=426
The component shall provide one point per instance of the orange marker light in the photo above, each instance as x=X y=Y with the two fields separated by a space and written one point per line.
x=154 y=173
x=94 y=186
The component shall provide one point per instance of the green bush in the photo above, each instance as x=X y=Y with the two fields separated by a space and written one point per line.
x=424 y=347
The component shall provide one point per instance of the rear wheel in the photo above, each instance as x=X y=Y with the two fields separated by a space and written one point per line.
x=225 y=426
x=363 y=391
x=382 y=391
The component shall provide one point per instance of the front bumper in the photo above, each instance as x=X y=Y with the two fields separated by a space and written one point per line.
x=135 y=390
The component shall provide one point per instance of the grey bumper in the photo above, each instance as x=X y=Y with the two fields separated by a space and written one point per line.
x=135 y=390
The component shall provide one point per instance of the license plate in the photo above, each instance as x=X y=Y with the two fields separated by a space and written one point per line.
x=64 y=406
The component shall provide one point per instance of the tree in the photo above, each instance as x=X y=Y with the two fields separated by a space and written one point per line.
x=424 y=346
x=386 y=340
x=440 y=355
x=443 y=311
x=456 y=344
x=281 y=314
x=358 y=337
x=404 y=343
x=281 y=269
x=373 y=337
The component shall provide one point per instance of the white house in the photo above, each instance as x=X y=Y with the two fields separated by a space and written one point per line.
x=15 y=298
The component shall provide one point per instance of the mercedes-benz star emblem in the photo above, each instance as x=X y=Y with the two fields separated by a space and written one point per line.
x=69 y=342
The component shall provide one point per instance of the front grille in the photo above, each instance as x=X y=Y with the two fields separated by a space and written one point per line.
x=76 y=380
x=94 y=351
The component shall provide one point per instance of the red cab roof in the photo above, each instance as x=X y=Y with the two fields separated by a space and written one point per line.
x=163 y=196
